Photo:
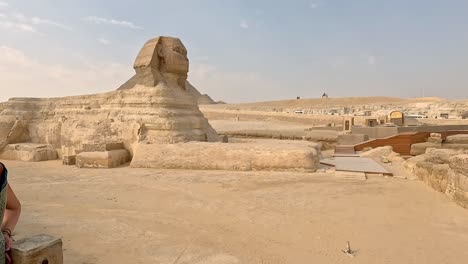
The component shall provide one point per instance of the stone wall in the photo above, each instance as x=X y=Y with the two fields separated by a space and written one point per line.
x=375 y=132
x=445 y=170
x=220 y=156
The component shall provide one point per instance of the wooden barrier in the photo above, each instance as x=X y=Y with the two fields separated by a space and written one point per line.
x=402 y=142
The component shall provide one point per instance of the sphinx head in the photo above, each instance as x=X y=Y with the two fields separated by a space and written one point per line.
x=173 y=56
x=162 y=59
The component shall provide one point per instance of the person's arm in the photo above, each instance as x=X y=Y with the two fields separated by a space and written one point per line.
x=12 y=212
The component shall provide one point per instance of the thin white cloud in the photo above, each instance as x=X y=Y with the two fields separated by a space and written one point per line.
x=104 y=41
x=101 y=20
x=28 y=77
x=42 y=21
x=244 y=24
x=18 y=27
x=21 y=22
x=26 y=27
x=3 y=4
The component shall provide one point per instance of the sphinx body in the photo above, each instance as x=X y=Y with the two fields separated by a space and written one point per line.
x=152 y=107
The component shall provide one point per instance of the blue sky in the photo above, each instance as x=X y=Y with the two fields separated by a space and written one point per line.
x=240 y=50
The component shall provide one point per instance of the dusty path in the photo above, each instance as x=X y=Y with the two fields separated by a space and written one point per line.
x=150 y=216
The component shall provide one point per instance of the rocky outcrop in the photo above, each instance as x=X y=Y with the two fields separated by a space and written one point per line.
x=152 y=107
x=28 y=152
x=445 y=170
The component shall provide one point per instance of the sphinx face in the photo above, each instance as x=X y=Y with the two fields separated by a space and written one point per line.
x=175 y=58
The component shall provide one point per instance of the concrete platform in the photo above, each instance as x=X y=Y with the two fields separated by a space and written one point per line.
x=356 y=164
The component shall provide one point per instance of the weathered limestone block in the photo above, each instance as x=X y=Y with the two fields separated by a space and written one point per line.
x=378 y=152
x=457 y=139
x=436 y=135
x=445 y=170
x=69 y=160
x=12 y=132
x=102 y=159
x=91 y=147
x=455 y=146
x=397 y=160
x=434 y=175
x=40 y=249
x=19 y=133
x=29 y=152
x=459 y=180
x=459 y=163
x=440 y=156
x=395 y=157
x=219 y=156
x=437 y=140
x=420 y=148
x=411 y=163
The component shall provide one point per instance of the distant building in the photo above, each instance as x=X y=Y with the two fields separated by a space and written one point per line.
x=397 y=118
x=372 y=122
x=465 y=115
x=324 y=95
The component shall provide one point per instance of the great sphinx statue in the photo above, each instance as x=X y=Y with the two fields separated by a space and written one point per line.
x=154 y=106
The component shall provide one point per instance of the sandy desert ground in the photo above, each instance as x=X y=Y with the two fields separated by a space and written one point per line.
x=151 y=216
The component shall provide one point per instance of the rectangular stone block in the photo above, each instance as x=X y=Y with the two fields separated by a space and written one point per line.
x=90 y=147
x=40 y=249
x=69 y=160
x=434 y=140
x=29 y=152
x=420 y=148
x=102 y=159
x=232 y=156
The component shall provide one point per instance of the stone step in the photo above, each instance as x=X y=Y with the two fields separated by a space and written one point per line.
x=39 y=249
